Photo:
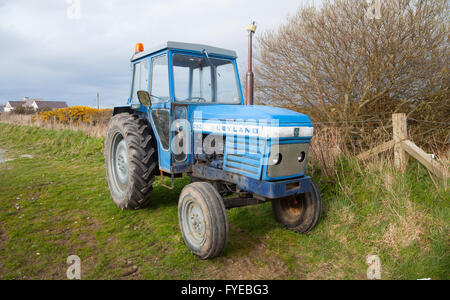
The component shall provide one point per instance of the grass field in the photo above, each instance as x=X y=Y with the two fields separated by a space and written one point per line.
x=57 y=204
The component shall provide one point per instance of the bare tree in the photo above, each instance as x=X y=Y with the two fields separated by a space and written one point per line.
x=339 y=65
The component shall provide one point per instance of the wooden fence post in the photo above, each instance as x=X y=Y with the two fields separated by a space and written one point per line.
x=400 y=134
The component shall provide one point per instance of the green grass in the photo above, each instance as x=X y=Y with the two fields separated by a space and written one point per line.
x=65 y=209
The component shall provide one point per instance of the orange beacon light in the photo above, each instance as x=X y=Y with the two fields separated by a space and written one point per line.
x=139 y=47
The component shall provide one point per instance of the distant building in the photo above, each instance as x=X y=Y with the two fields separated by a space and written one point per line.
x=39 y=104
x=35 y=104
x=2 y=108
x=11 y=105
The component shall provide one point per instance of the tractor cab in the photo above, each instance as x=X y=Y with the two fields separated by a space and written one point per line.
x=179 y=77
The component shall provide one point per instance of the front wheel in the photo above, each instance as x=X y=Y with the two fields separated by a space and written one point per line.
x=203 y=220
x=300 y=213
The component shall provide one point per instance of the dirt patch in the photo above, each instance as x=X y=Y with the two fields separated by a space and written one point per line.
x=257 y=265
x=3 y=158
x=73 y=238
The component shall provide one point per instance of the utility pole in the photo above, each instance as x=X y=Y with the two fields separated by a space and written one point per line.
x=98 y=100
x=250 y=77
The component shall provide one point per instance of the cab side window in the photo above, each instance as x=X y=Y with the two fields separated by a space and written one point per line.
x=140 y=79
x=159 y=88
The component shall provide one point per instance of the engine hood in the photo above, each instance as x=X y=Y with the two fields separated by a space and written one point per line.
x=254 y=120
x=243 y=113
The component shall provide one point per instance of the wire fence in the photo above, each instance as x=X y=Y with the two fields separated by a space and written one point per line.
x=380 y=121
x=361 y=135
x=335 y=139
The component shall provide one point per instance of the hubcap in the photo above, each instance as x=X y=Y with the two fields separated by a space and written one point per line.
x=119 y=162
x=122 y=162
x=194 y=223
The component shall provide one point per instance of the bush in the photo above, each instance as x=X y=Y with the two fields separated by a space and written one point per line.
x=342 y=67
x=76 y=115
x=43 y=109
x=23 y=110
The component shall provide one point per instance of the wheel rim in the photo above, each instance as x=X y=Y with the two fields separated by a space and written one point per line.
x=193 y=223
x=119 y=162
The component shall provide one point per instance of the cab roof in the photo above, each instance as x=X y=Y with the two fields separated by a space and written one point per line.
x=185 y=46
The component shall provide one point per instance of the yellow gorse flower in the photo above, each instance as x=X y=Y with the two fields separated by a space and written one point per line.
x=73 y=115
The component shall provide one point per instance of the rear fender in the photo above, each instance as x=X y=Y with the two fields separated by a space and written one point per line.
x=122 y=109
x=141 y=113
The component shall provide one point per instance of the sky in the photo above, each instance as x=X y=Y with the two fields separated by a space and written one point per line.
x=68 y=50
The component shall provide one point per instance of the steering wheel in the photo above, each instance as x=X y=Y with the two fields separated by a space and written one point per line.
x=199 y=99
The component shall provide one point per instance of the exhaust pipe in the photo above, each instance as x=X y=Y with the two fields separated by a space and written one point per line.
x=250 y=76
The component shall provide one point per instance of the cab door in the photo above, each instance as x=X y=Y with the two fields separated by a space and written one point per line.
x=160 y=114
x=181 y=143
x=182 y=87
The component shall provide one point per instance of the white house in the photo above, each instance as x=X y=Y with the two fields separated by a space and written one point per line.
x=40 y=103
x=11 y=105
x=35 y=104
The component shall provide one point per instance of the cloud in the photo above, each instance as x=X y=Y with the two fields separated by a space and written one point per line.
x=43 y=53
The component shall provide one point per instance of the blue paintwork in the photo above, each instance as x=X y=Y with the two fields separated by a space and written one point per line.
x=276 y=189
x=244 y=156
x=251 y=115
x=268 y=189
x=250 y=165
x=222 y=112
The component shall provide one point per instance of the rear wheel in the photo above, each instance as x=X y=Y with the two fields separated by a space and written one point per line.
x=203 y=220
x=300 y=213
x=130 y=160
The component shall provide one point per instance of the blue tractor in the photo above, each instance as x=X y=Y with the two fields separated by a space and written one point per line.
x=186 y=115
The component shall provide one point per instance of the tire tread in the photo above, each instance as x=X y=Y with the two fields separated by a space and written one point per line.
x=141 y=153
x=218 y=219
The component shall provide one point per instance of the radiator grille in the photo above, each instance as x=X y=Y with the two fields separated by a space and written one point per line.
x=244 y=156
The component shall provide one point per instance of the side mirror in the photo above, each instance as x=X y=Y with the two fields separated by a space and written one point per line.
x=144 y=98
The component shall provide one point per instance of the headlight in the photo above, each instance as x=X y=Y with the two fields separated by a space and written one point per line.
x=276 y=160
x=301 y=157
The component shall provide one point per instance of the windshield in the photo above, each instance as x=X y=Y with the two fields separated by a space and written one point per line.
x=205 y=79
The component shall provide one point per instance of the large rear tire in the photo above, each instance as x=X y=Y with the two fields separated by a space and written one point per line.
x=203 y=220
x=130 y=160
x=300 y=213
